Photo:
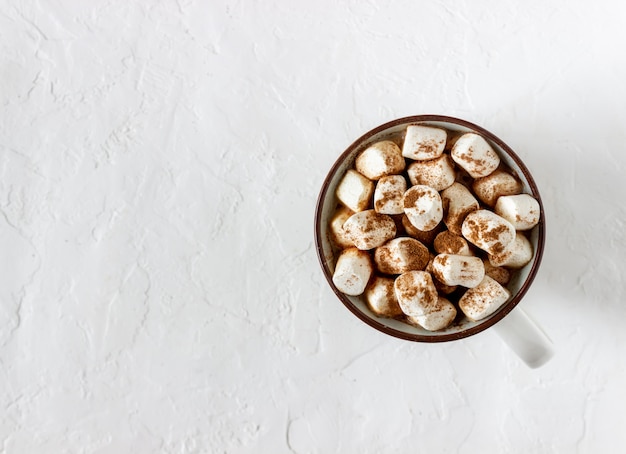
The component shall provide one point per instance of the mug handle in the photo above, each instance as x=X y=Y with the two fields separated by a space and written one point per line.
x=525 y=338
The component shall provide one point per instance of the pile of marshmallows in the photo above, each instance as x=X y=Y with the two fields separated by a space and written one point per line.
x=397 y=251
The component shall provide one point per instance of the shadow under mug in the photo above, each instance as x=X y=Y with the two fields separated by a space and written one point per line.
x=514 y=327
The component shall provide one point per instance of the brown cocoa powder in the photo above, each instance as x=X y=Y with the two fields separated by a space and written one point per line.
x=412 y=195
x=449 y=243
x=386 y=197
x=430 y=147
x=494 y=233
x=406 y=290
x=481 y=164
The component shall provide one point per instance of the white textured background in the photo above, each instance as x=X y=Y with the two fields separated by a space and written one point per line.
x=159 y=166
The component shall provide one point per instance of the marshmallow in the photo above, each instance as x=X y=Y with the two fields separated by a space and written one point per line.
x=440 y=286
x=495 y=185
x=488 y=231
x=420 y=235
x=437 y=173
x=381 y=297
x=447 y=242
x=400 y=255
x=520 y=210
x=352 y=271
x=388 y=195
x=484 y=299
x=422 y=205
x=423 y=142
x=368 y=229
x=457 y=202
x=441 y=317
x=461 y=270
x=416 y=293
x=517 y=254
x=475 y=155
x=337 y=233
x=501 y=275
x=355 y=191
x=382 y=158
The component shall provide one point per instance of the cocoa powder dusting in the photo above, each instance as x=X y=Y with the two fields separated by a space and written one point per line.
x=386 y=197
x=406 y=290
x=429 y=297
x=497 y=248
x=492 y=234
x=411 y=289
x=480 y=164
x=473 y=233
x=429 y=147
x=438 y=305
x=418 y=253
x=377 y=221
x=384 y=261
x=390 y=162
x=411 y=196
x=449 y=243
x=483 y=231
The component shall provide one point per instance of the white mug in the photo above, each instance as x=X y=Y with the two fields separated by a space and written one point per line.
x=521 y=334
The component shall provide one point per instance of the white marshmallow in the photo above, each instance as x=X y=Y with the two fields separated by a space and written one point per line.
x=352 y=271
x=520 y=210
x=423 y=142
x=484 y=299
x=495 y=185
x=388 y=195
x=355 y=191
x=442 y=288
x=461 y=270
x=400 y=255
x=475 y=155
x=516 y=255
x=416 y=293
x=437 y=173
x=337 y=233
x=368 y=229
x=457 y=202
x=439 y=318
x=488 y=231
x=422 y=205
x=382 y=158
x=447 y=242
x=381 y=297
x=497 y=273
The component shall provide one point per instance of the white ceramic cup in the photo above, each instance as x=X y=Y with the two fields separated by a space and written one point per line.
x=520 y=333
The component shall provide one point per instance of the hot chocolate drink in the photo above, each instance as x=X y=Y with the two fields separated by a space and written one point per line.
x=430 y=226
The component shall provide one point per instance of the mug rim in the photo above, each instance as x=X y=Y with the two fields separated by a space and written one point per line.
x=502 y=311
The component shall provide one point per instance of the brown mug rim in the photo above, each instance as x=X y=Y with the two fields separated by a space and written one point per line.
x=500 y=313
